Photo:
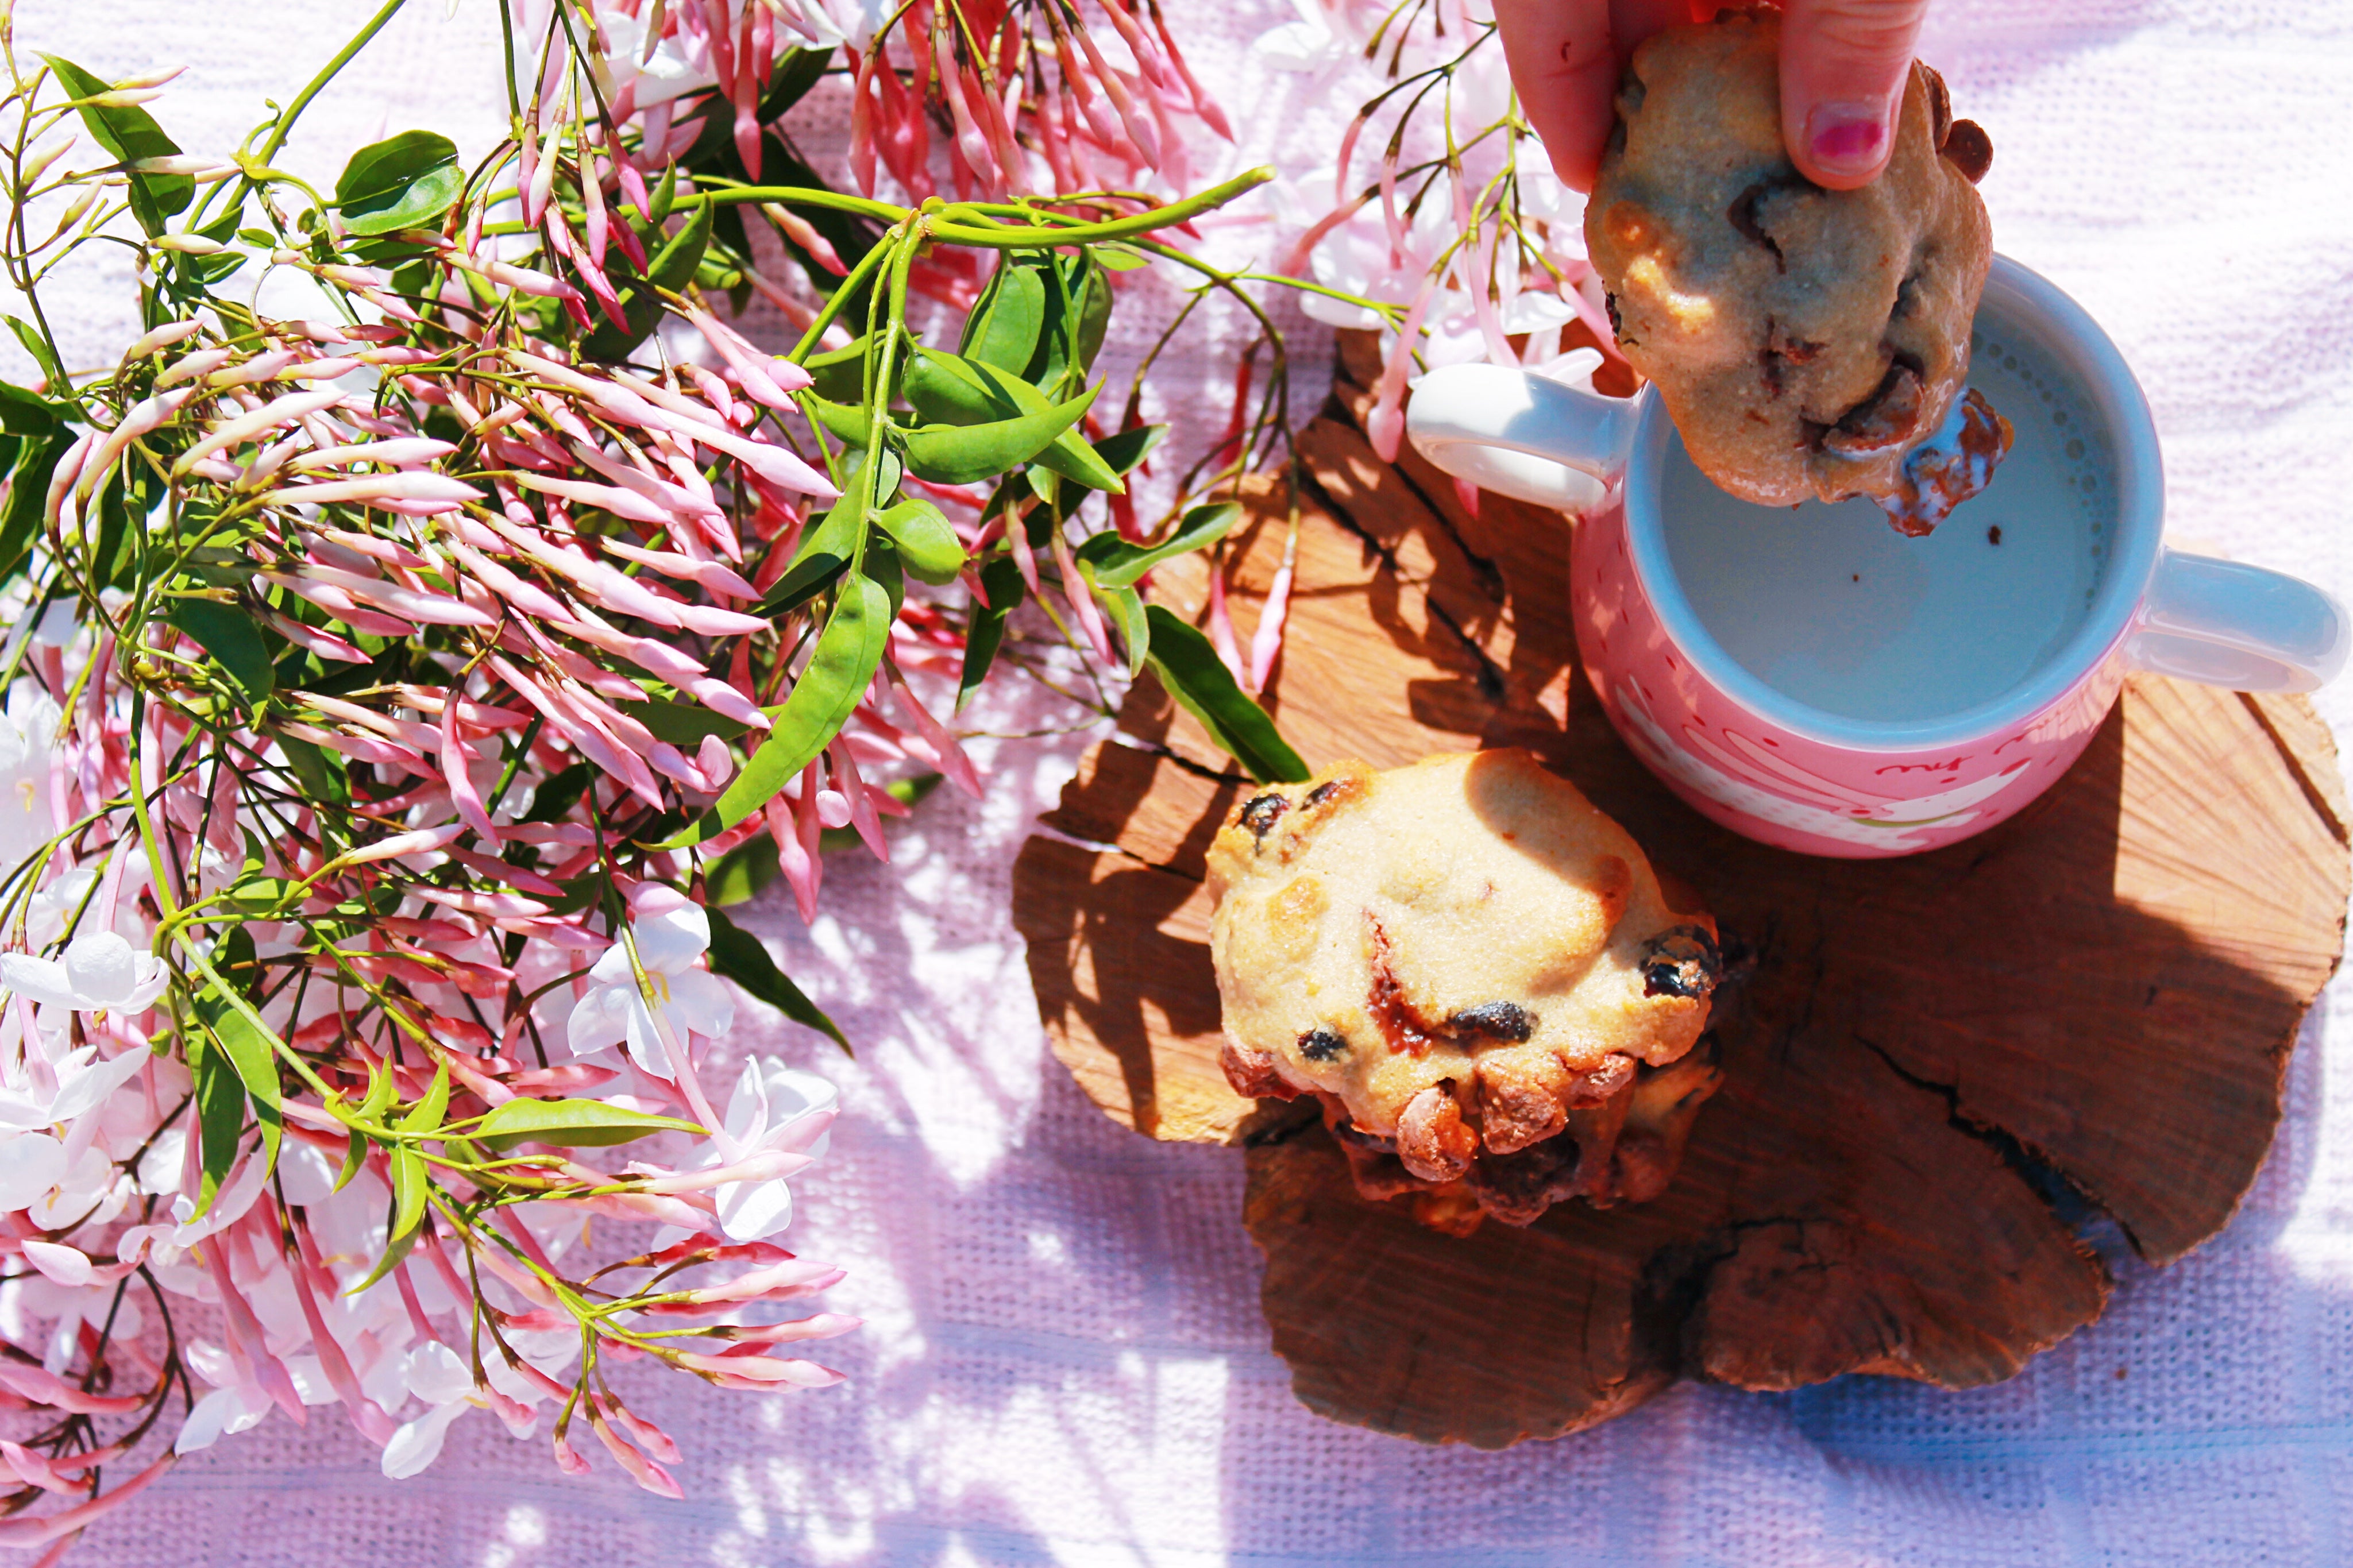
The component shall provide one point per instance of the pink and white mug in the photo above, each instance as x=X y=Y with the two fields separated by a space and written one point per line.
x=1813 y=679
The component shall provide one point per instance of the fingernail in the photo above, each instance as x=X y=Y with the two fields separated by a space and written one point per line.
x=1846 y=137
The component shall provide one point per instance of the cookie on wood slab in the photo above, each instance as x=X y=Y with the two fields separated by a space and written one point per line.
x=1477 y=974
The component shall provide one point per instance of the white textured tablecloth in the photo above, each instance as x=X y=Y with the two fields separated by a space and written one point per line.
x=1064 y=1360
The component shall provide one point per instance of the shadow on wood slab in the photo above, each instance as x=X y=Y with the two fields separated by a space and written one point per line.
x=2099 y=995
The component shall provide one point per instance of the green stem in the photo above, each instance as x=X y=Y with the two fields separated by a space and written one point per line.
x=1010 y=238
x=285 y=126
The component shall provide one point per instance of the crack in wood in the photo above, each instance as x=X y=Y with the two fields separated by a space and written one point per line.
x=2073 y=1205
x=2319 y=802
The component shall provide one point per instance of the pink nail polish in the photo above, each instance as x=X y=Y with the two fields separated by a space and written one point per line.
x=1846 y=137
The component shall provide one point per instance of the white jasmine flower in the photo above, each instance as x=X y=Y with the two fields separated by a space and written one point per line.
x=614 y=1010
x=100 y=972
x=770 y=1103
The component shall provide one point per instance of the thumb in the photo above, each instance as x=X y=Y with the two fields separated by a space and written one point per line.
x=1843 y=66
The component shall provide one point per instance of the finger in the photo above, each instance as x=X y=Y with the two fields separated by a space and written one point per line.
x=1564 y=68
x=1844 y=65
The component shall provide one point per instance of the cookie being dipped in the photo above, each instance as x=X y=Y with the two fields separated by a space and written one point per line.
x=1475 y=972
x=1809 y=343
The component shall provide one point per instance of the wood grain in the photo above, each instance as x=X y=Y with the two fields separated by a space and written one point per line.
x=1929 y=1061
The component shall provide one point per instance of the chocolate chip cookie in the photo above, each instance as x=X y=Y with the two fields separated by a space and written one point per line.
x=1476 y=972
x=1808 y=342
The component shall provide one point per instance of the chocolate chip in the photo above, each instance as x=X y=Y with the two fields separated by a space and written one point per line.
x=1496 y=1020
x=1743 y=214
x=1321 y=1045
x=1884 y=420
x=1330 y=789
x=1617 y=327
x=1970 y=148
x=1261 y=813
x=1684 y=962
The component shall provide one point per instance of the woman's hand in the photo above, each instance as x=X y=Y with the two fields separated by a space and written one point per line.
x=1843 y=63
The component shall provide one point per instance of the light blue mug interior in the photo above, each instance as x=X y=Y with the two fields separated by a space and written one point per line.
x=2018 y=308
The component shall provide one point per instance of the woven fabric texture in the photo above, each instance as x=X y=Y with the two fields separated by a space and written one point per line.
x=1064 y=1360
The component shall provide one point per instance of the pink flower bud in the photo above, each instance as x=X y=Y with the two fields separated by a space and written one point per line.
x=755 y=1371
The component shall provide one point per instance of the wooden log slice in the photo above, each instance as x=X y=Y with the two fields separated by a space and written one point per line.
x=1929 y=1061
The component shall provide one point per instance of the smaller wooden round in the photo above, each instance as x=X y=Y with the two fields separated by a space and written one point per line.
x=1931 y=1063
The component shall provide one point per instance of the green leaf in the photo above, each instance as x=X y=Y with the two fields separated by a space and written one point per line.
x=947 y=389
x=744 y=872
x=683 y=724
x=881 y=566
x=1094 y=310
x=260 y=895
x=1078 y=309
x=928 y=546
x=43 y=355
x=380 y=1089
x=403 y=182
x=798 y=70
x=1125 y=606
x=840 y=374
x=220 y=1117
x=845 y=422
x=1123 y=450
x=955 y=390
x=1001 y=580
x=570 y=1124
x=1003 y=328
x=250 y=1053
x=410 y=1189
x=665 y=196
x=963 y=455
x=21 y=518
x=130 y=134
x=355 y=1160
x=670 y=267
x=847 y=652
x=743 y=958
x=555 y=799
x=427 y=1114
x=1201 y=684
x=1116 y=564
x=231 y=635
x=321 y=779
x=826 y=550
x=24 y=413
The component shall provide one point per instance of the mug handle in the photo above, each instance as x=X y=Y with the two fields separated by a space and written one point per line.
x=1519 y=435
x=2225 y=623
